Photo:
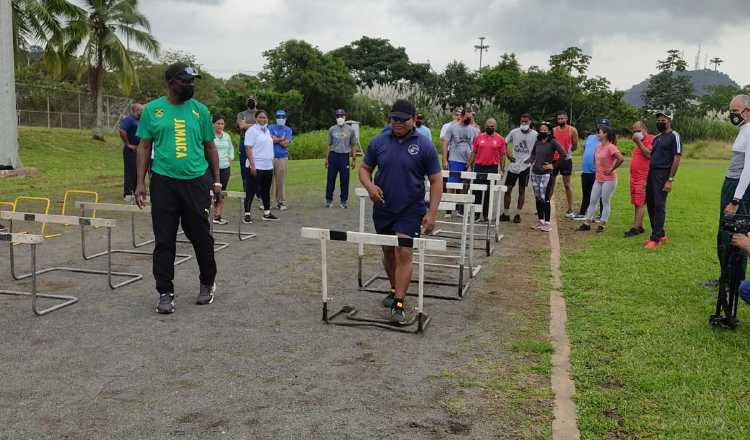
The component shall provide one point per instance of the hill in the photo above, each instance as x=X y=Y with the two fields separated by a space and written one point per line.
x=701 y=79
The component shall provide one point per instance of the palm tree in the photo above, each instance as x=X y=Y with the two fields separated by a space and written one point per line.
x=38 y=21
x=97 y=34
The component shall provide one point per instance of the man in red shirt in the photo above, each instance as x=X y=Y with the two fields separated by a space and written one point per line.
x=487 y=155
x=639 y=163
x=567 y=136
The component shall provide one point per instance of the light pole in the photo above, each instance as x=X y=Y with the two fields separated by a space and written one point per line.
x=8 y=118
x=482 y=48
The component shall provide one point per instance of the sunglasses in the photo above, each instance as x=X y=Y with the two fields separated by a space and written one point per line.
x=399 y=119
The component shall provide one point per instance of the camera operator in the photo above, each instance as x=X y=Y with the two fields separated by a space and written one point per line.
x=735 y=199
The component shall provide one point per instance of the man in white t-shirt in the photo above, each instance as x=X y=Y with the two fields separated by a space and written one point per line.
x=522 y=140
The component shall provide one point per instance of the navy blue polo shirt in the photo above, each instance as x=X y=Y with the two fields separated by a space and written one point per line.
x=665 y=147
x=130 y=126
x=402 y=165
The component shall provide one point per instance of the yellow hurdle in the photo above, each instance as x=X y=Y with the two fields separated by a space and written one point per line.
x=47 y=205
x=67 y=201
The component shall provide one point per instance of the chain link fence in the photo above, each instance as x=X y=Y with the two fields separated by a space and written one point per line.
x=41 y=106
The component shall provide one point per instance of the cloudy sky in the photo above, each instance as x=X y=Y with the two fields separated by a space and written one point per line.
x=625 y=38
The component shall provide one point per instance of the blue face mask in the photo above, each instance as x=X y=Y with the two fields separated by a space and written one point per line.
x=281 y=122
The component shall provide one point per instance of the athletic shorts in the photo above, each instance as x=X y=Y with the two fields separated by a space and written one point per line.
x=224 y=174
x=455 y=166
x=522 y=178
x=408 y=223
x=638 y=189
x=564 y=167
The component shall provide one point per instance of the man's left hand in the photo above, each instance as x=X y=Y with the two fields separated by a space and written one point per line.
x=428 y=223
x=218 y=193
x=668 y=186
x=730 y=209
x=741 y=241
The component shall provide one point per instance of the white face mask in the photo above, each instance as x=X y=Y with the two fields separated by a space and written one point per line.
x=340 y=121
x=281 y=122
x=525 y=127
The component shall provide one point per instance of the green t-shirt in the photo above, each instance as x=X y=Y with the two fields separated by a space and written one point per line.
x=178 y=133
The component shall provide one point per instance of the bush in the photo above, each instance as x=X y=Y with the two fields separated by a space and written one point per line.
x=312 y=145
x=695 y=129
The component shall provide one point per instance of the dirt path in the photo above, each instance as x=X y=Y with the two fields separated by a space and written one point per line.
x=260 y=364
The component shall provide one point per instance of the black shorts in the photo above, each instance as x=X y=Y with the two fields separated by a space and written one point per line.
x=224 y=174
x=564 y=167
x=522 y=178
x=408 y=223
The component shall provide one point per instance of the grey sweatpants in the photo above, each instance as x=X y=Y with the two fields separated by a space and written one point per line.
x=601 y=191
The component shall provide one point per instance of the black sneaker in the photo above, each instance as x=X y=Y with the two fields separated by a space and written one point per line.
x=504 y=218
x=600 y=228
x=166 y=304
x=389 y=300
x=269 y=217
x=398 y=314
x=632 y=232
x=247 y=218
x=517 y=219
x=584 y=227
x=206 y=295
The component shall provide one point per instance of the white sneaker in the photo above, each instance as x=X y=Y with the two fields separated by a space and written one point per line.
x=538 y=225
x=545 y=227
x=570 y=214
x=282 y=207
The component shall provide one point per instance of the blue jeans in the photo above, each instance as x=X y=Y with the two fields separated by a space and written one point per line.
x=745 y=291
x=338 y=164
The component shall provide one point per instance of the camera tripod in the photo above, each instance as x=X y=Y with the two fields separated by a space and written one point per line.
x=729 y=285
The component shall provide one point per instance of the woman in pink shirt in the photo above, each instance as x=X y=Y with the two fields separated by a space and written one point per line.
x=608 y=158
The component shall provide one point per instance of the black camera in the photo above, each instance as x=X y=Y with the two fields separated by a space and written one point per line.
x=736 y=224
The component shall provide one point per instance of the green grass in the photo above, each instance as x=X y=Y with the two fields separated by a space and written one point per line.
x=645 y=361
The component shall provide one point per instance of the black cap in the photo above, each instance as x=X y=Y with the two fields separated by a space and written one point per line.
x=181 y=71
x=420 y=116
x=403 y=109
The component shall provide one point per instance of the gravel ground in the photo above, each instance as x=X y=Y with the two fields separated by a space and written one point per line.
x=256 y=364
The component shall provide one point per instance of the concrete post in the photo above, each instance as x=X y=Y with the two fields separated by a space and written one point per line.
x=8 y=116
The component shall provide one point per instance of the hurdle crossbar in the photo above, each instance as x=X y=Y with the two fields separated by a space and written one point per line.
x=421 y=245
x=68 y=220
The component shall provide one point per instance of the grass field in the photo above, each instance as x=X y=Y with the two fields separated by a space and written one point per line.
x=645 y=361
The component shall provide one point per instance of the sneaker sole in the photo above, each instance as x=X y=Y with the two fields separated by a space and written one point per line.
x=201 y=303
x=269 y=219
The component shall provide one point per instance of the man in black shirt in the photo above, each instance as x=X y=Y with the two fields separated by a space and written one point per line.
x=665 y=160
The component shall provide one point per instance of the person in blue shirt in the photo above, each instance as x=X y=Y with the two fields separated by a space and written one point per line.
x=403 y=158
x=588 y=169
x=421 y=128
x=127 y=130
x=282 y=136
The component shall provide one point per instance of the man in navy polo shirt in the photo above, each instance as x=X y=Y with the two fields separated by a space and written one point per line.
x=127 y=130
x=665 y=160
x=403 y=158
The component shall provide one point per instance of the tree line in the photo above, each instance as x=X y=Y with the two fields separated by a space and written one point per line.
x=107 y=48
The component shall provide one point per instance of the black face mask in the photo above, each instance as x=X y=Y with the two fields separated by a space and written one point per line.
x=251 y=105
x=418 y=123
x=736 y=119
x=489 y=131
x=561 y=124
x=542 y=136
x=185 y=92
x=467 y=121
x=661 y=126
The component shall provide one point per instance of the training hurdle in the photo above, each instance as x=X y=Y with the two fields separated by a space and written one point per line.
x=133 y=210
x=449 y=202
x=33 y=241
x=11 y=205
x=47 y=207
x=66 y=220
x=351 y=320
x=241 y=236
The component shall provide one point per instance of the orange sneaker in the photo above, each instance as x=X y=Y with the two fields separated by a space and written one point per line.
x=652 y=244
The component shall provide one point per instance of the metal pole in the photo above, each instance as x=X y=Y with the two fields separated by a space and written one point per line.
x=8 y=115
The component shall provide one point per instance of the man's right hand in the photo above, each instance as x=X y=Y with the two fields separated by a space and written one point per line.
x=445 y=164
x=741 y=241
x=253 y=171
x=140 y=196
x=730 y=209
x=376 y=194
x=326 y=163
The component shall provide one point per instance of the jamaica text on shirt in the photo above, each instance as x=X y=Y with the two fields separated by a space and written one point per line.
x=180 y=139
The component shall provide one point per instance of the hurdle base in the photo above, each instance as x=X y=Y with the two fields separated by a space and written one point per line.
x=460 y=297
x=67 y=300
x=131 y=277
x=348 y=313
x=241 y=237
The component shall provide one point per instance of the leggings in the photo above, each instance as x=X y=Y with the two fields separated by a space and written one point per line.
x=542 y=193
x=601 y=191
x=260 y=185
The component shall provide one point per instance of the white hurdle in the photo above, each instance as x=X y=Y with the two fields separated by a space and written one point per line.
x=33 y=241
x=465 y=252
x=421 y=245
x=241 y=236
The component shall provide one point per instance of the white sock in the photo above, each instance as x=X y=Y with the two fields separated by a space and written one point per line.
x=266 y=212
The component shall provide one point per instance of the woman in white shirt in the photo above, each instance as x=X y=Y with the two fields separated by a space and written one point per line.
x=226 y=155
x=259 y=162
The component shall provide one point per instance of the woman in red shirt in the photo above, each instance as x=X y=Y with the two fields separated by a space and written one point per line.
x=608 y=158
x=638 y=172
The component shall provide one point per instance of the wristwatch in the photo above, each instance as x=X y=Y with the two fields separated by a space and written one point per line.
x=218 y=184
x=671 y=179
x=735 y=202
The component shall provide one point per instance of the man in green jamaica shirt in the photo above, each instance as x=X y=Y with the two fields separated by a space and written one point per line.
x=184 y=171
